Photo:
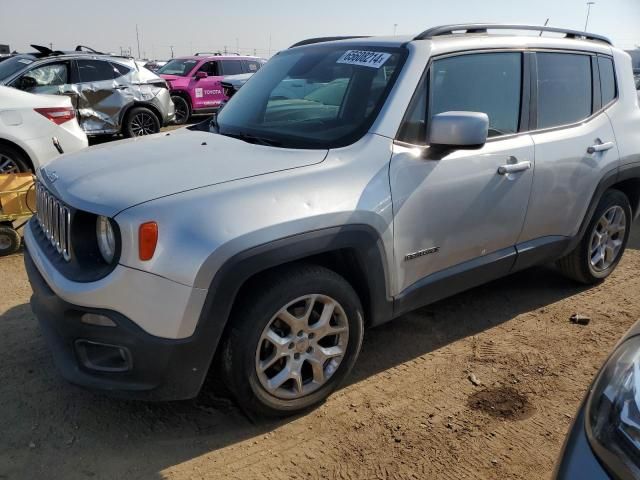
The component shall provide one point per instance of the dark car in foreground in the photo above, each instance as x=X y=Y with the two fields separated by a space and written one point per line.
x=110 y=94
x=604 y=441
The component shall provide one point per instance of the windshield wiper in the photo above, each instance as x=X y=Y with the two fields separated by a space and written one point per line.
x=246 y=137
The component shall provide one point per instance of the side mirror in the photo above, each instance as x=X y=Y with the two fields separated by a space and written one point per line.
x=450 y=131
x=26 y=83
x=200 y=75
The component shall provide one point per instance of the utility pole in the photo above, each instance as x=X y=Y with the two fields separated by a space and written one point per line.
x=225 y=49
x=395 y=28
x=586 y=24
x=171 y=47
x=237 y=45
x=51 y=46
x=138 y=40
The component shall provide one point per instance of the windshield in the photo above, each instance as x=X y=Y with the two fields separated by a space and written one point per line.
x=15 y=64
x=314 y=97
x=177 y=66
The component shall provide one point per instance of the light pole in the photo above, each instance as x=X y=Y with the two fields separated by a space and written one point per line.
x=395 y=28
x=586 y=24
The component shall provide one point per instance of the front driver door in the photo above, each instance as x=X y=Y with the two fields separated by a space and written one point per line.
x=207 y=92
x=459 y=212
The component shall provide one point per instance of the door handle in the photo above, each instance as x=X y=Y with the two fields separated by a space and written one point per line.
x=600 y=147
x=513 y=168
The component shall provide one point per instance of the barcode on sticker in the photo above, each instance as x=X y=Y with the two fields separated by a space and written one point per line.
x=364 y=58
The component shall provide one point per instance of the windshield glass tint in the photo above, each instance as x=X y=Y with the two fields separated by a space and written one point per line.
x=315 y=97
x=177 y=66
x=14 y=64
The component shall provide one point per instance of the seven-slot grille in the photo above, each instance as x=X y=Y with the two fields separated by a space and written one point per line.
x=54 y=219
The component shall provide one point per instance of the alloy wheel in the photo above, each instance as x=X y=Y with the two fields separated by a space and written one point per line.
x=143 y=123
x=302 y=346
x=607 y=238
x=8 y=165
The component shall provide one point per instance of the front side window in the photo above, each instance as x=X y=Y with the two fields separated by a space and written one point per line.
x=252 y=66
x=95 y=71
x=210 y=68
x=178 y=66
x=45 y=79
x=565 y=94
x=490 y=83
x=607 y=80
x=316 y=97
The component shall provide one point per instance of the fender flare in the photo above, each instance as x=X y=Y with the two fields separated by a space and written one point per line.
x=609 y=180
x=363 y=240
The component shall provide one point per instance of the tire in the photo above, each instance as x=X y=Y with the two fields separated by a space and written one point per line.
x=140 y=121
x=13 y=161
x=245 y=347
x=580 y=264
x=183 y=109
x=9 y=240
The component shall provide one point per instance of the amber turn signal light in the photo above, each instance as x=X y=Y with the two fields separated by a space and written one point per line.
x=147 y=240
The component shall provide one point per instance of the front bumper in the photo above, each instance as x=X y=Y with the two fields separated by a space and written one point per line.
x=165 y=106
x=157 y=368
x=577 y=459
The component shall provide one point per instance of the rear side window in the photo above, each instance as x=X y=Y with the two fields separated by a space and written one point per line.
x=565 y=90
x=607 y=80
x=231 y=67
x=95 y=71
x=488 y=83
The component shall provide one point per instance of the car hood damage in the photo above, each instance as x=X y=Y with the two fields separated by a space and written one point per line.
x=109 y=178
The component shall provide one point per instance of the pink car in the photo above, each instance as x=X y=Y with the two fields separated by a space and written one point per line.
x=195 y=81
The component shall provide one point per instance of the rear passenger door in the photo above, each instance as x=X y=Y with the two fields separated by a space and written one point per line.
x=458 y=213
x=574 y=140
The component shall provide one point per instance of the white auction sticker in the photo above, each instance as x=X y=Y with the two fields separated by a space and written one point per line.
x=364 y=58
x=199 y=93
x=26 y=61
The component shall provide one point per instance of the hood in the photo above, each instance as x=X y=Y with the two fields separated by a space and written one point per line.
x=176 y=79
x=109 y=178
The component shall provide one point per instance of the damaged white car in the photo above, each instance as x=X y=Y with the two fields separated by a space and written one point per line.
x=110 y=94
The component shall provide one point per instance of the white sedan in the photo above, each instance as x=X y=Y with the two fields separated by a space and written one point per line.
x=35 y=129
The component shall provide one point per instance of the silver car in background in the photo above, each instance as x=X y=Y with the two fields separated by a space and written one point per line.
x=110 y=94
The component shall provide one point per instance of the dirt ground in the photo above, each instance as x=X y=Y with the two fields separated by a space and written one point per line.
x=409 y=409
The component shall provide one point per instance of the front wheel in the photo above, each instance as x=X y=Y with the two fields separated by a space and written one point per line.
x=9 y=240
x=604 y=241
x=293 y=341
x=140 y=121
x=182 y=108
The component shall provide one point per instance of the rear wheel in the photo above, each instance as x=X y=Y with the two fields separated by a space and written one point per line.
x=9 y=240
x=604 y=241
x=293 y=341
x=140 y=121
x=12 y=160
x=183 y=110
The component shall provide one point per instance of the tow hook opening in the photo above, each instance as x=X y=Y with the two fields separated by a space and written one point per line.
x=103 y=357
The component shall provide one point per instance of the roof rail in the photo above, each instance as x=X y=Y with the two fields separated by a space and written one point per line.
x=311 y=41
x=215 y=54
x=483 y=27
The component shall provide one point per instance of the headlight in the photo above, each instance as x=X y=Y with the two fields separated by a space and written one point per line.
x=613 y=411
x=106 y=239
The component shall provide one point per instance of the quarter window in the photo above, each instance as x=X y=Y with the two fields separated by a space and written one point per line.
x=564 y=89
x=95 y=71
x=607 y=80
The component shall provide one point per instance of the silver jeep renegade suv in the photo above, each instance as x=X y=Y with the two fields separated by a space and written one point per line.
x=348 y=182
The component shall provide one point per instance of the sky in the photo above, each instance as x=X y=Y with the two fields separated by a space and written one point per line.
x=264 y=27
